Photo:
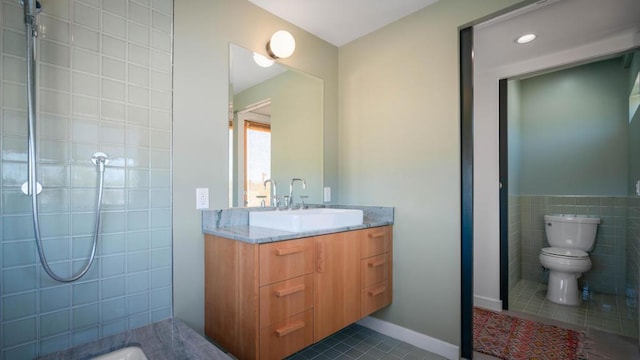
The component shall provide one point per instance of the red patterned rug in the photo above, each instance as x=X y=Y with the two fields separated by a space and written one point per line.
x=509 y=337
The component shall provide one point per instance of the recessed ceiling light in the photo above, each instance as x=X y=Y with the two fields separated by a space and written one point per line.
x=526 y=38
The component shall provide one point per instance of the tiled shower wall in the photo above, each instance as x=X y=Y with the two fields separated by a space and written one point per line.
x=515 y=241
x=104 y=84
x=633 y=243
x=609 y=257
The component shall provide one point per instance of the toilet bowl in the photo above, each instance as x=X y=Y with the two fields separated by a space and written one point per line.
x=570 y=237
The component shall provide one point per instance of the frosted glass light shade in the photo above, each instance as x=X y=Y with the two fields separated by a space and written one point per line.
x=281 y=45
x=262 y=60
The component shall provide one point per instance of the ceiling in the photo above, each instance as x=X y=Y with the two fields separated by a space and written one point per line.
x=341 y=21
x=559 y=25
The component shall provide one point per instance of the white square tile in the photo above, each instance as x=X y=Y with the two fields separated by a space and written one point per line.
x=12 y=16
x=113 y=90
x=138 y=95
x=14 y=69
x=55 y=78
x=58 y=9
x=86 y=16
x=86 y=38
x=138 y=75
x=118 y=7
x=160 y=61
x=138 y=33
x=160 y=100
x=13 y=122
x=84 y=131
x=54 y=29
x=137 y=115
x=114 y=47
x=94 y=3
x=160 y=81
x=85 y=84
x=139 y=13
x=85 y=106
x=13 y=43
x=114 y=25
x=53 y=127
x=160 y=120
x=138 y=55
x=164 y=6
x=86 y=61
x=54 y=102
x=14 y=96
x=161 y=41
x=112 y=133
x=137 y=136
x=161 y=22
x=160 y=139
x=113 y=110
x=113 y=68
x=54 y=53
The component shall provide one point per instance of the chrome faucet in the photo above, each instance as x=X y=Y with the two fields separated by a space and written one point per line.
x=304 y=186
x=273 y=200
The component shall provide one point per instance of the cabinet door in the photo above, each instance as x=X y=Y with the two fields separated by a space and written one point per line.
x=337 y=282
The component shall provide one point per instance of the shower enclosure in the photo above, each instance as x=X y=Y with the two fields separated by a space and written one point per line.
x=102 y=84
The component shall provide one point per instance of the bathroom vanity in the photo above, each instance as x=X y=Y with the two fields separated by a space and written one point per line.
x=270 y=293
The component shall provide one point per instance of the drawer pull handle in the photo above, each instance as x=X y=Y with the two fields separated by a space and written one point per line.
x=289 y=251
x=376 y=235
x=288 y=329
x=376 y=263
x=377 y=291
x=289 y=291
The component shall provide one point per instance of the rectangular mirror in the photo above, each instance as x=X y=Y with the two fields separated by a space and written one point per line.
x=276 y=122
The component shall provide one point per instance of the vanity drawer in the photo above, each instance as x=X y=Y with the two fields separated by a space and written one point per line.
x=285 y=260
x=374 y=241
x=374 y=269
x=286 y=337
x=286 y=298
x=375 y=297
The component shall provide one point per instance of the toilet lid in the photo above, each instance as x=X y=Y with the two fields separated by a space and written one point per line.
x=555 y=251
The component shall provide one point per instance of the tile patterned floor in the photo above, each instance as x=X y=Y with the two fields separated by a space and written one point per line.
x=604 y=312
x=358 y=342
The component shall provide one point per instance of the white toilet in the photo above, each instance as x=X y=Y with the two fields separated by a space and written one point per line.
x=570 y=237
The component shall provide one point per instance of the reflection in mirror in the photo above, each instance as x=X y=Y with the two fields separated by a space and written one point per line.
x=275 y=131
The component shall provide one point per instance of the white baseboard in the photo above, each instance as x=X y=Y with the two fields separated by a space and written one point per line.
x=487 y=303
x=414 y=338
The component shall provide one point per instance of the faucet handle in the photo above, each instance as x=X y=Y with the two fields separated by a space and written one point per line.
x=302 y=205
x=262 y=198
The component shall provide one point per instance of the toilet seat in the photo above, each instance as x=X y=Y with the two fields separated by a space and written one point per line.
x=564 y=253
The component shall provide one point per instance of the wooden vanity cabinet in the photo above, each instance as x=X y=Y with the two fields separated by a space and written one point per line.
x=267 y=301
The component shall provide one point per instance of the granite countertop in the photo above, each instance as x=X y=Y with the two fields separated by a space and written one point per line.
x=233 y=223
x=164 y=340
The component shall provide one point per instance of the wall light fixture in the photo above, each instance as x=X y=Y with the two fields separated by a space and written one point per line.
x=281 y=45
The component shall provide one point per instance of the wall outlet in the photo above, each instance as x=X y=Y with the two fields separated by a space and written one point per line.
x=327 y=194
x=202 y=198
x=638 y=188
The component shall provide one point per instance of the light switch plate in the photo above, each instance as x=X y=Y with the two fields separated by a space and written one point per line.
x=327 y=194
x=202 y=198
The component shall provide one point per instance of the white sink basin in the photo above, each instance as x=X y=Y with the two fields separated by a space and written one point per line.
x=306 y=220
x=127 y=353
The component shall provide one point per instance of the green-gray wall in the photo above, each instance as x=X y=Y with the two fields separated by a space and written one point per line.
x=399 y=146
x=574 y=131
x=203 y=30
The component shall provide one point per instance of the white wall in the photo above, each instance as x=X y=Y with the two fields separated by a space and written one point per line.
x=203 y=30
x=486 y=196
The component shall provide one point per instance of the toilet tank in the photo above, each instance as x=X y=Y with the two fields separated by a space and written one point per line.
x=571 y=231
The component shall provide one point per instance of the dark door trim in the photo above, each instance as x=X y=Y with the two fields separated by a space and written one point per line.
x=503 y=109
x=466 y=173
